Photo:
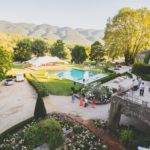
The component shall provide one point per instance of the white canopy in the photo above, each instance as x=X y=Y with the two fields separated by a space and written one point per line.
x=38 y=61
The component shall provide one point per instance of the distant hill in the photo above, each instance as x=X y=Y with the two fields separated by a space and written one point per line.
x=76 y=36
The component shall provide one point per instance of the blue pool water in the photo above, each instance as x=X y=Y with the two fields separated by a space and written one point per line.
x=76 y=74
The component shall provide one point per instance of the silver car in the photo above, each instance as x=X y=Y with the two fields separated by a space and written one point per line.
x=9 y=82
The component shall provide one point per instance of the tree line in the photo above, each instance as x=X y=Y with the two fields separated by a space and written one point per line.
x=25 y=49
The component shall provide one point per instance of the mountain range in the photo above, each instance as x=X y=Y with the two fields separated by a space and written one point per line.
x=76 y=36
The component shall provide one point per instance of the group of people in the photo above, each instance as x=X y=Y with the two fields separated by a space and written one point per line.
x=138 y=85
x=83 y=101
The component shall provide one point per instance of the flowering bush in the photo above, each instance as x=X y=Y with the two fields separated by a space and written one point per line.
x=81 y=139
x=98 y=123
x=102 y=94
x=85 y=141
x=16 y=140
x=46 y=131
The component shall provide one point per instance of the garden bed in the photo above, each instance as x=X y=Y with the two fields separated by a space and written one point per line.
x=80 y=138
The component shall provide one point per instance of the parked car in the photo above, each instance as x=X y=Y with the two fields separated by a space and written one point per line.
x=9 y=82
x=19 y=77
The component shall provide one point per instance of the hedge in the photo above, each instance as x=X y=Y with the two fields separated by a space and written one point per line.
x=141 y=68
x=38 y=86
x=113 y=76
x=40 y=111
x=108 y=78
x=147 y=58
x=15 y=128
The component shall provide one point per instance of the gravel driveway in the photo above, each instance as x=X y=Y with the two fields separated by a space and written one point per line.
x=17 y=103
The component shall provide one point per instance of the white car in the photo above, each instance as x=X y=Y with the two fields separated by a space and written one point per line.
x=9 y=82
x=19 y=77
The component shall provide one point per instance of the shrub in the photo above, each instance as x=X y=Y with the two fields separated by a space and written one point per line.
x=140 y=68
x=47 y=131
x=108 y=78
x=127 y=74
x=145 y=76
x=40 y=111
x=147 y=58
x=77 y=129
x=127 y=137
x=39 y=87
x=92 y=63
x=131 y=138
x=102 y=94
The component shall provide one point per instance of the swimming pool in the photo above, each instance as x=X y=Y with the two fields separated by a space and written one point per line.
x=80 y=76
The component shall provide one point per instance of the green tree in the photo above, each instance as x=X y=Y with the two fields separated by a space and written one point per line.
x=58 y=49
x=128 y=33
x=40 y=111
x=78 y=54
x=5 y=60
x=22 y=51
x=39 y=47
x=97 y=52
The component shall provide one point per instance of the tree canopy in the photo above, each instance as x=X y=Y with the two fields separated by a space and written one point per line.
x=22 y=51
x=128 y=33
x=78 y=54
x=39 y=47
x=97 y=52
x=5 y=60
x=58 y=50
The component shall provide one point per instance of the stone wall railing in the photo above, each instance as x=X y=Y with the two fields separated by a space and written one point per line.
x=130 y=107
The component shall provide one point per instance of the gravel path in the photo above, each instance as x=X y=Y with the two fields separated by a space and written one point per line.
x=63 y=104
x=17 y=103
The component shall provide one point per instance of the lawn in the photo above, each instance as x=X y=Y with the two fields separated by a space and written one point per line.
x=53 y=84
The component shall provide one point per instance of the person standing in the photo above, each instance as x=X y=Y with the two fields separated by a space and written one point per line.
x=93 y=102
x=139 y=82
x=81 y=101
x=85 y=102
x=142 y=89
x=73 y=97
x=136 y=84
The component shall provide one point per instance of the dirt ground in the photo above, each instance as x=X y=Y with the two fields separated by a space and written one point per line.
x=17 y=103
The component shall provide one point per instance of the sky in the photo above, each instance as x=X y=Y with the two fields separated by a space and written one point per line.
x=91 y=14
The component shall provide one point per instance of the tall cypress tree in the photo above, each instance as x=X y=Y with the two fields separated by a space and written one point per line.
x=40 y=111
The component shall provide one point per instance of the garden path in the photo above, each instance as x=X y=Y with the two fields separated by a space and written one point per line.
x=64 y=104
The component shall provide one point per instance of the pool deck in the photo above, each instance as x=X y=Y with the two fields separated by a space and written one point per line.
x=89 y=80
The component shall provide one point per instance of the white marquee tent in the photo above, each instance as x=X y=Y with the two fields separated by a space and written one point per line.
x=38 y=61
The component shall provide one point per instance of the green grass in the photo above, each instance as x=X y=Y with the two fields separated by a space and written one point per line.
x=56 y=86
x=53 y=85
x=17 y=66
